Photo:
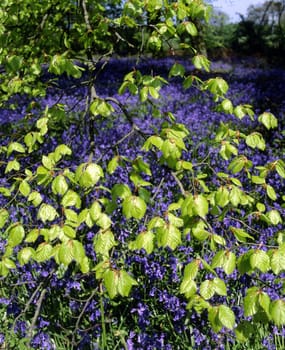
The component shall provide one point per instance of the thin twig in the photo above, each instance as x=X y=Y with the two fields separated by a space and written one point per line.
x=37 y=312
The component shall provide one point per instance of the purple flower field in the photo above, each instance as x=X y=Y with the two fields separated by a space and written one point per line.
x=61 y=307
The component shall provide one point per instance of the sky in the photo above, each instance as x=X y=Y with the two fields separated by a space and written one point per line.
x=232 y=7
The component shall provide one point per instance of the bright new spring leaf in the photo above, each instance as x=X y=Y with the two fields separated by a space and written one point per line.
x=134 y=207
x=268 y=120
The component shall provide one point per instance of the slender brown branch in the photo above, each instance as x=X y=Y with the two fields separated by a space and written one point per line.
x=179 y=183
x=86 y=15
x=81 y=315
x=37 y=312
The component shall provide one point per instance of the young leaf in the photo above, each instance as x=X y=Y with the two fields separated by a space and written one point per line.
x=244 y=331
x=111 y=280
x=144 y=240
x=188 y=287
x=207 y=289
x=168 y=235
x=219 y=286
x=25 y=254
x=226 y=316
x=16 y=235
x=213 y=317
x=278 y=261
x=134 y=207
x=201 y=206
x=71 y=199
x=47 y=213
x=125 y=283
x=250 y=302
x=260 y=260
x=59 y=185
x=103 y=242
x=268 y=120
x=43 y=252
x=229 y=263
x=4 y=215
x=277 y=312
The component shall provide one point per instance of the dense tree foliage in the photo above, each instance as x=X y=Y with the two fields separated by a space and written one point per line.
x=124 y=225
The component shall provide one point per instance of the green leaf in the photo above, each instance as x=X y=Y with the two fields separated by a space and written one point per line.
x=278 y=261
x=213 y=317
x=144 y=240
x=47 y=213
x=260 y=260
x=62 y=150
x=25 y=254
x=177 y=70
x=153 y=141
x=16 y=147
x=168 y=235
x=280 y=168
x=113 y=164
x=250 y=302
x=69 y=231
x=104 y=221
x=176 y=221
x=48 y=162
x=79 y=253
x=268 y=120
x=101 y=107
x=4 y=216
x=191 y=269
x=12 y=165
x=219 y=259
x=188 y=287
x=71 y=199
x=201 y=62
x=43 y=175
x=88 y=174
x=59 y=185
x=255 y=140
x=226 y=316
x=201 y=206
x=227 y=106
x=219 y=286
x=264 y=301
x=32 y=236
x=277 y=312
x=103 y=242
x=125 y=283
x=24 y=188
x=134 y=207
x=8 y=263
x=243 y=262
x=43 y=252
x=198 y=230
x=95 y=211
x=240 y=234
x=244 y=331
x=191 y=28
x=271 y=192
x=217 y=86
x=65 y=252
x=111 y=280
x=222 y=196
x=258 y=180
x=16 y=235
x=207 y=289
x=36 y=198
x=274 y=217
x=229 y=263
x=121 y=191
